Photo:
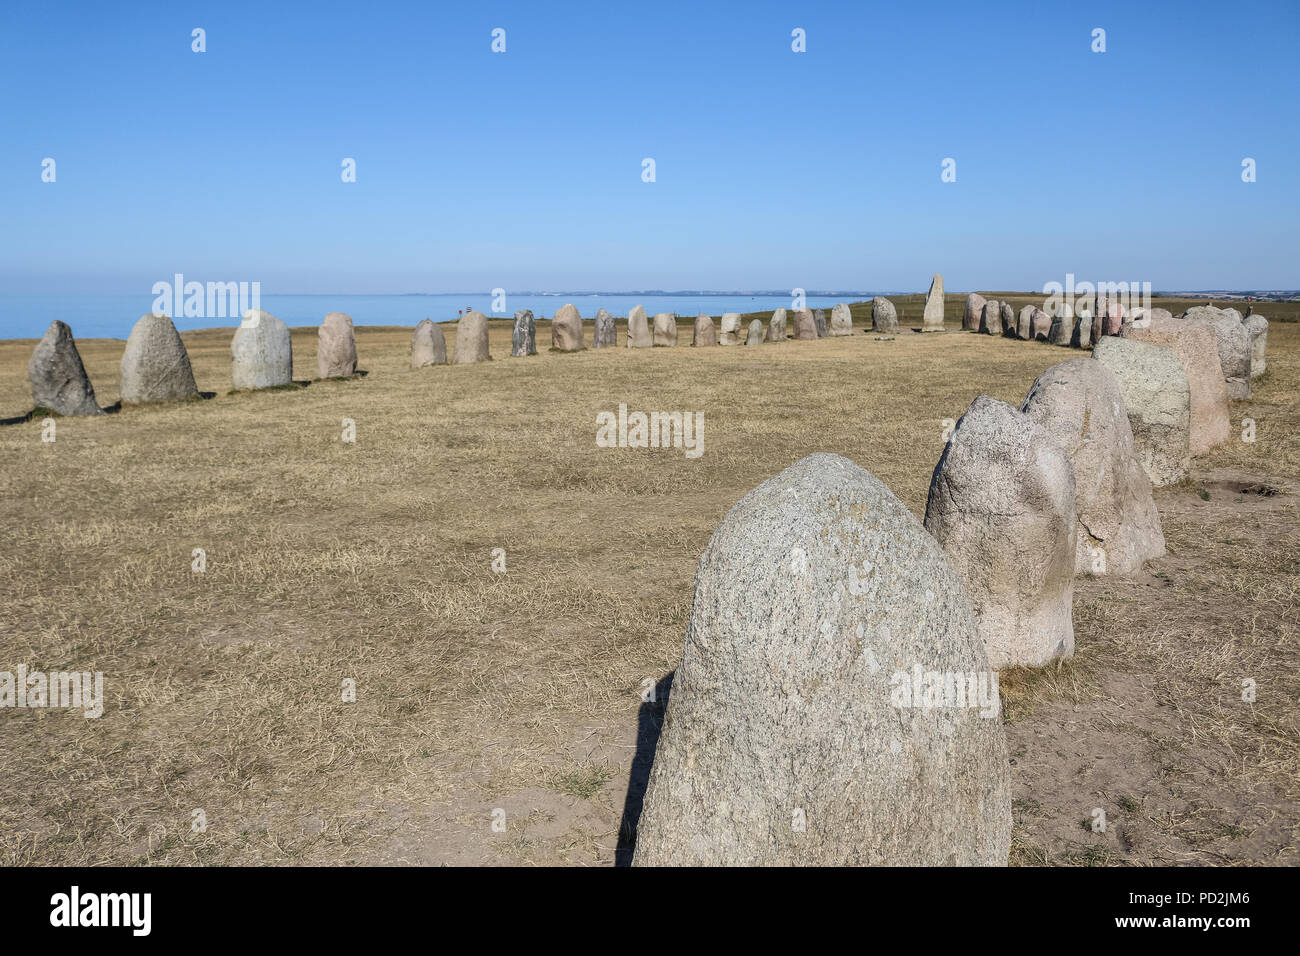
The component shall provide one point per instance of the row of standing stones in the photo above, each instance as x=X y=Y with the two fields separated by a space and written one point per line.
x=819 y=587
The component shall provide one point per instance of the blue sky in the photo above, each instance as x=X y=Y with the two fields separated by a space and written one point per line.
x=522 y=170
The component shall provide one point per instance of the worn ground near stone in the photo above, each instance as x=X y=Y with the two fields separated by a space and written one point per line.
x=522 y=692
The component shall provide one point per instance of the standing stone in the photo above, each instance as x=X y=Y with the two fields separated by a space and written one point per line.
x=817 y=601
x=841 y=320
x=1002 y=506
x=1234 y=346
x=638 y=329
x=1059 y=332
x=730 y=334
x=991 y=318
x=1207 y=392
x=566 y=330
x=819 y=319
x=805 y=326
x=1112 y=322
x=932 y=317
x=1040 y=325
x=155 y=365
x=776 y=326
x=1257 y=330
x=471 y=339
x=1079 y=404
x=755 y=336
x=884 y=317
x=1098 y=324
x=1156 y=395
x=1023 y=323
x=523 y=337
x=58 y=379
x=606 y=332
x=1007 y=315
x=705 y=334
x=665 y=329
x=261 y=352
x=428 y=347
x=336 y=347
x=973 y=313
x=1081 y=338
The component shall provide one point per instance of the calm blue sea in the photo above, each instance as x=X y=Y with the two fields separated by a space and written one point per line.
x=98 y=316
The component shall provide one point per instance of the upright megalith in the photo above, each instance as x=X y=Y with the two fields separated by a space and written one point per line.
x=1257 y=331
x=973 y=313
x=523 y=337
x=1079 y=404
x=705 y=333
x=1234 y=346
x=1058 y=333
x=1002 y=507
x=605 y=334
x=155 y=365
x=1023 y=322
x=58 y=379
x=566 y=330
x=261 y=352
x=1081 y=337
x=841 y=320
x=665 y=330
x=1207 y=392
x=991 y=318
x=428 y=346
x=932 y=317
x=776 y=326
x=1157 y=398
x=471 y=339
x=730 y=333
x=805 y=326
x=884 y=317
x=1007 y=318
x=831 y=675
x=755 y=336
x=638 y=329
x=1040 y=325
x=819 y=319
x=336 y=347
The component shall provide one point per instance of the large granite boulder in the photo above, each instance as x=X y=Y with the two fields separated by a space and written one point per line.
x=665 y=333
x=523 y=336
x=705 y=333
x=566 y=330
x=805 y=326
x=1158 y=400
x=973 y=313
x=932 y=316
x=991 y=318
x=471 y=339
x=814 y=718
x=1040 y=325
x=1079 y=404
x=155 y=365
x=884 y=317
x=1198 y=351
x=261 y=352
x=1234 y=346
x=1059 y=332
x=776 y=328
x=1001 y=505
x=638 y=329
x=428 y=346
x=841 y=320
x=336 y=347
x=58 y=379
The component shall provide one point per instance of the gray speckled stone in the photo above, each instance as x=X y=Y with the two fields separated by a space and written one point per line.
x=730 y=331
x=606 y=332
x=776 y=326
x=1257 y=329
x=155 y=365
x=755 y=336
x=471 y=339
x=57 y=376
x=665 y=333
x=932 y=317
x=973 y=313
x=991 y=318
x=1080 y=405
x=428 y=345
x=261 y=352
x=819 y=319
x=815 y=593
x=705 y=334
x=841 y=320
x=1158 y=399
x=566 y=330
x=884 y=317
x=1002 y=507
x=638 y=329
x=523 y=336
x=336 y=347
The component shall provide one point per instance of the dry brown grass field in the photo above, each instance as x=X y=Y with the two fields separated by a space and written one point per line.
x=521 y=692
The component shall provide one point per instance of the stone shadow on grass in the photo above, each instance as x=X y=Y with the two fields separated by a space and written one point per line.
x=649 y=724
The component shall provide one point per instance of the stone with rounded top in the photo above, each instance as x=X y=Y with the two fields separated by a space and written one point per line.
x=973 y=313
x=1157 y=397
x=805 y=325
x=884 y=317
x=605 y=334
x=471 y=339
x=428 y=345
x=705 y=334
x=755 y=336
x=155 y=365
x=336 y=347
x=566 y=330
x=776 y=327
x=523 y=336
x=638 y=329
x=730 y=331
x=261 y=352
x=821 y=589
x=1198 y=351
x=841 y=320
x=665 y=334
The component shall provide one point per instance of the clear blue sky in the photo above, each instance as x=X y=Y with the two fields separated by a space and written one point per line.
x=523 y=170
